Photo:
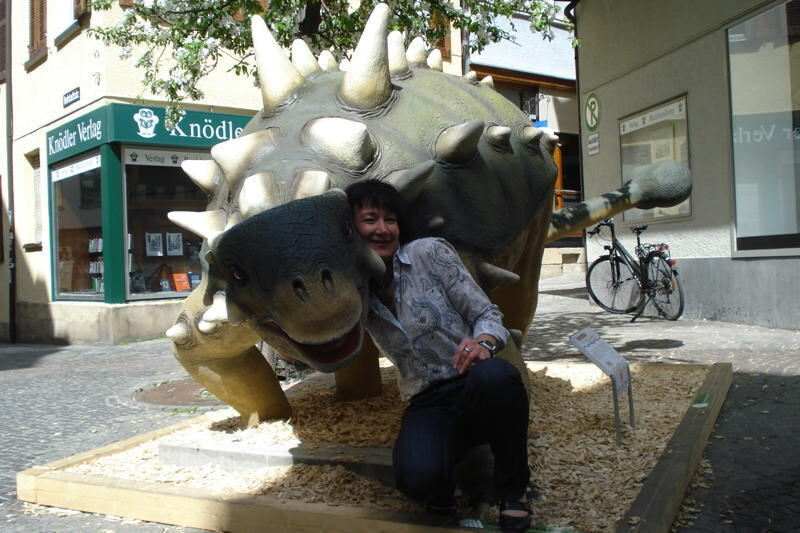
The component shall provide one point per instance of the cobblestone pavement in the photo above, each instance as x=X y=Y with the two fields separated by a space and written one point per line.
x=56 y=401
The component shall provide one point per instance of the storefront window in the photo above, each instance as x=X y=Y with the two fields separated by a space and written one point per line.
x=79 y=229
x=163 y=259
x=765 y=115
x=657 y=134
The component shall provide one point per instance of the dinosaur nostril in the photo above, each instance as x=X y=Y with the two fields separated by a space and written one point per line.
x=300 y=290
x=327 y=281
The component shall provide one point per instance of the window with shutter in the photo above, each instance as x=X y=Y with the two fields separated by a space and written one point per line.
x=442 y=44
x=37 y=47
x=81 y=8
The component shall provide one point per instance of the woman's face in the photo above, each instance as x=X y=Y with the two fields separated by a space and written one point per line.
x=379 y=229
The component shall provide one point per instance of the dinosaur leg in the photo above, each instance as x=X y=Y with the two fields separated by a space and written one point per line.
x=361 y=378
x=223 y=358
x=518 y=300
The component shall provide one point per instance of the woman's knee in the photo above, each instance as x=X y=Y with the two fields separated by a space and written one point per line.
x=493 y=373
x=428 y=481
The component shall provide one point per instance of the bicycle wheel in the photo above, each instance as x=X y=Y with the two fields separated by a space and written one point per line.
x=666 y=287
x=613 y=285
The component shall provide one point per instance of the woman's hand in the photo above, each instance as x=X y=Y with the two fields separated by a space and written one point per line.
x=469 y=352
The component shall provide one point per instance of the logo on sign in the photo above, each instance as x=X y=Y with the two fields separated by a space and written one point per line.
x=147 y=120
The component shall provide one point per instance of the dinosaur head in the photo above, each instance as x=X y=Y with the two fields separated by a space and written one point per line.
x=298 y=273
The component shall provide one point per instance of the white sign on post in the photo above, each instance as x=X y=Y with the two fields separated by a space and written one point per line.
x=603 y=355
x=612 y=364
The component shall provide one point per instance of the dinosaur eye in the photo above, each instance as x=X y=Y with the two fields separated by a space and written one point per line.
x=238 y=274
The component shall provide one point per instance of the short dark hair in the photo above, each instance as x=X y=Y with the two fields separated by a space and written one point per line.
x=376 y=193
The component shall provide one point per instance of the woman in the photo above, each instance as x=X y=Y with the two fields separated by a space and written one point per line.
x=436 y=325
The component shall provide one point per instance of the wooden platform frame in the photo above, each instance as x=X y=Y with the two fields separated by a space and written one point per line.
x=653 y=511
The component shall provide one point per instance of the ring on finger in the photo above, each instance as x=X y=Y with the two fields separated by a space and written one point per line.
x=466 y=349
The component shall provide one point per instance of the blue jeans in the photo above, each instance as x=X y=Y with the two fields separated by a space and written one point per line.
x=445 y=421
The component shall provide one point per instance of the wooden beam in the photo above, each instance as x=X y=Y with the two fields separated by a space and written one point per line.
x=522 y=80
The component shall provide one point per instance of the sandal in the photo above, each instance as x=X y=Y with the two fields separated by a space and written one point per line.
x=515 y=524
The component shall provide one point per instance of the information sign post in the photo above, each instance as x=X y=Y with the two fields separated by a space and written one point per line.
x=612 y=364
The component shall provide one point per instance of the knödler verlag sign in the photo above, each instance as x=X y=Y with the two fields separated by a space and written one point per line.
x=140 y=124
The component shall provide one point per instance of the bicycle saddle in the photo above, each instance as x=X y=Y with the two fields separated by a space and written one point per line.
x=639 y=229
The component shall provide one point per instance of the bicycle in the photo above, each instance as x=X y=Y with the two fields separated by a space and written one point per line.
x=621 y=283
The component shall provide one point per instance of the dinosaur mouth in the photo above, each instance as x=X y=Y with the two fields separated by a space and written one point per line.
x=322 y=356
x=336 y=350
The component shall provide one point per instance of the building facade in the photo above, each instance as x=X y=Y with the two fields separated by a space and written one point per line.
x=713 y=85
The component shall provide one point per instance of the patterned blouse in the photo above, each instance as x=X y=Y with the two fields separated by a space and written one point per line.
x=438 y=304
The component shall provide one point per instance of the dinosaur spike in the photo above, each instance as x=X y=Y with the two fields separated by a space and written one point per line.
x=179 y=333
x=208 y=327
x=203 y=172
x=499 y=135
x=458 y=144
x=344 y=64
x=202 y=223
x=435 y=60
x=218 y=312
x=303 y=60
x=531 y=136
x=279 y=79
x=368 y=83
x=549 y=140
x=370 y=259
x=312 y=183
x=327 y=62
x=487 y=81
x=236 y=314
x=471 y=76
x=346 y=141
x=435 y=223
x=234 y=156
x=397 y=54
x=410 y=182
x=234 y=219
x=516 y=336
x=494 y=276
x=417 y=52
x=256 y=194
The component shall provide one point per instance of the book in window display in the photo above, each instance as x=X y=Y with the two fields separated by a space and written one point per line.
x=154 y=244
x=174 y=244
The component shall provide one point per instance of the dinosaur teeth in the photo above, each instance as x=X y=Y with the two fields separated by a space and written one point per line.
x=202 y=223
x=410 y=182
x=203 y=172
x=487 y=81
x=471 y=76
x=179 y=333
x=256 y=194
x=343 y=140
x=435 y=60
x=398 y=64
x=312 y=183
x=500 y=135
x=234 y=156
x=417 y=52
x=459 y=144
x=367 y=83
x=279 y=79
x=303 y=59
x=493 y=276
x=327 y=62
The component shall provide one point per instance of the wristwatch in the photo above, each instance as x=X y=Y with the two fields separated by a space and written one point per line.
x=489 y=346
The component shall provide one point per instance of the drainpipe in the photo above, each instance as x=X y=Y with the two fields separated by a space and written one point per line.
x=12 y=256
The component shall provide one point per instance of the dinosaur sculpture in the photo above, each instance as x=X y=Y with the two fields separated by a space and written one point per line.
x=282 y=262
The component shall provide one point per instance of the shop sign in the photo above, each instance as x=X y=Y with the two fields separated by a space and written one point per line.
x=593 y=143
x=141 y=124
x=77 y=136
x=148 y=124
x=70 y=97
